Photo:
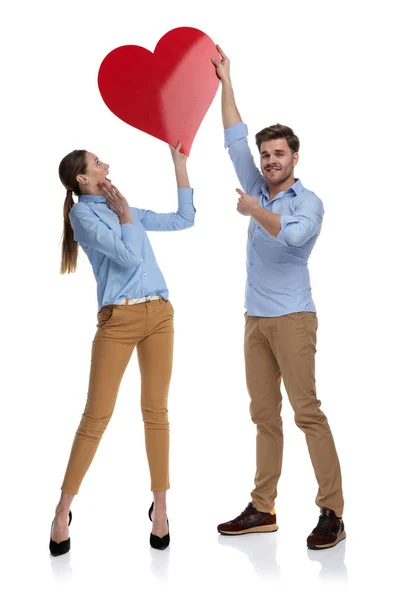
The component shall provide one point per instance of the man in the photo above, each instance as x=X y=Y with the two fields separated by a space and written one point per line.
x=281 y=320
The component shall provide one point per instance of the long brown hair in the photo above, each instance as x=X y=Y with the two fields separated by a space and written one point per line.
x=71 y=165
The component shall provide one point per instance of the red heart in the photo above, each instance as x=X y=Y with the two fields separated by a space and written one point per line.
x=165 y=94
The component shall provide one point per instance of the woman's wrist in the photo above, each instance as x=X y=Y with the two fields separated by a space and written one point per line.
x=180 y=168
x=125 y=218
x=182 y=177
x=182 y=181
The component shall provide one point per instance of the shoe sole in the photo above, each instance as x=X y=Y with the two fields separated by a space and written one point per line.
x=59 y=553
x=260 y=529
x=339 y=539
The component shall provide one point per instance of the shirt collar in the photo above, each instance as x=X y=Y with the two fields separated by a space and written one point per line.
x=296 y=188
x=91 y=198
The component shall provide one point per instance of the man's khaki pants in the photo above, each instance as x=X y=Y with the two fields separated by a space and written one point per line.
x=279 y=348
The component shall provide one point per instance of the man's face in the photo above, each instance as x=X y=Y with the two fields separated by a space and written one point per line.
x=277 y=161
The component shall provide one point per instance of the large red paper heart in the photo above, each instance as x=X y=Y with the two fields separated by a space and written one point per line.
x=165 y=93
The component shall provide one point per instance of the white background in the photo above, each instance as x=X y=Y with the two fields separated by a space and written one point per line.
x=327 y=69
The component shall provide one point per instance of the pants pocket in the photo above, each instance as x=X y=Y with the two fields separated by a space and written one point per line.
x=104 y=315
x=170 y=307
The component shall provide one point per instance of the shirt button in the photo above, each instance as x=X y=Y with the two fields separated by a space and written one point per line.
x=141 y=260
x=253 y=244
x=144 y=274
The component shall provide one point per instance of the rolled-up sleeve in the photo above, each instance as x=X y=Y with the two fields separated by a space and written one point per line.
x=248 y=174
x=183 y=218
x=92 y=232
x=304 y=223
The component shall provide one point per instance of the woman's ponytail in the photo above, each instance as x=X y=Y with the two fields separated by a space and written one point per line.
x=70 y=167
x=69 y=253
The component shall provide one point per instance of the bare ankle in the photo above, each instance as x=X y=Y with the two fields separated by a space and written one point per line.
x=62 y=512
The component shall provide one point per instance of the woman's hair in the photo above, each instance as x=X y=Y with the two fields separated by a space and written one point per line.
x=71 y=165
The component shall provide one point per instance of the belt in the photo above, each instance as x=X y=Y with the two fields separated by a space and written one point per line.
x=127 y=301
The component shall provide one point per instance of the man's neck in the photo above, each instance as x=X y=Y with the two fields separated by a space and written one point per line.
x=274 y=190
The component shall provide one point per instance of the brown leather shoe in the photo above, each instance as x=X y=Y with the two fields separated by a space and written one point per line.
x=249 y=521
x=329 y=531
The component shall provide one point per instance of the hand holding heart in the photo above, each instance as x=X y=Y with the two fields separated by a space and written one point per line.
x=222 y=67
x=177 y=156
x=246 y=204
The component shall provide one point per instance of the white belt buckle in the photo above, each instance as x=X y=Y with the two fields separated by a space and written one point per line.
x=148 y=298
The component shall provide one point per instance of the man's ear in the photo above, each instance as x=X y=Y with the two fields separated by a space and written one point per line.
x=295 y=158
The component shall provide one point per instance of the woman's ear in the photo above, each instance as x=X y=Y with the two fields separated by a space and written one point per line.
x=82 y=179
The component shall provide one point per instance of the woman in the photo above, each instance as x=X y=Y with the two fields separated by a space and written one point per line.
x=134 y=311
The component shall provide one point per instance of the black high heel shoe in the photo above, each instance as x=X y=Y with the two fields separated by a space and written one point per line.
x=159 y=543
x=63 y=547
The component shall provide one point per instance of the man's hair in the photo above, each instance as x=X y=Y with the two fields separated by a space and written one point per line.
x=276 y=132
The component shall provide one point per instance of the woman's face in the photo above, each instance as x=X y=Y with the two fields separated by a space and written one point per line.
x=96 y=171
